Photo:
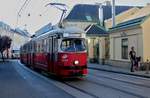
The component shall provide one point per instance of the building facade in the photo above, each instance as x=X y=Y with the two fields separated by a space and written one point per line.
x=19 y=37
x=132 y=31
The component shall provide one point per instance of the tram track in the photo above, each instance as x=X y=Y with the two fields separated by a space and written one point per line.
x=70 y=85
x=67 y=84
x=121 y=80
x=117 y=89
x=89 y=93
x=86 y=92
x=100 y=84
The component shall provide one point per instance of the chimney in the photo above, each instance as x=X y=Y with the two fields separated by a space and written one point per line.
x=113 y=13
x=108 y=3
x=101 y=14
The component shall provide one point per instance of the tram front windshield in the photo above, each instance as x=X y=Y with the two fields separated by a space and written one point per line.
x=73 y=45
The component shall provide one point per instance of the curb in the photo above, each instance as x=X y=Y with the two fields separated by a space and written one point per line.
x=120 y=72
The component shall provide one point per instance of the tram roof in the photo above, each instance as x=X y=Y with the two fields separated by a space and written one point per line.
x=61 y=31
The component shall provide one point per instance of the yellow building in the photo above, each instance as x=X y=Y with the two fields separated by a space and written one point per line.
x=139 y=13
x=135 y=32
x=121 y=17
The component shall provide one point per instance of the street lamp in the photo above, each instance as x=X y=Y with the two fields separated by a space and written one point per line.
x=61 y=7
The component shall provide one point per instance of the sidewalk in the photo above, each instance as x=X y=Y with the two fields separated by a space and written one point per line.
x=120 y=70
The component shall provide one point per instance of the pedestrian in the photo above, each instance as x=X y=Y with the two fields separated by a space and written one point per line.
x=132 y=55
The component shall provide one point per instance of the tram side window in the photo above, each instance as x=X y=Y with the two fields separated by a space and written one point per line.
x=27 y=48
x=55 y=45
x=44 y=46
x=38 y=47
x=30 y=47
x=50 y=45
x=41 y=46
x=34 y=47
x=47 y=43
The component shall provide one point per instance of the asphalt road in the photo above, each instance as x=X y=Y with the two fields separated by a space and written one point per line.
x=17 y=81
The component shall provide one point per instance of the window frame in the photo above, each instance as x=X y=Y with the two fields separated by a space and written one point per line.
x=124 y=48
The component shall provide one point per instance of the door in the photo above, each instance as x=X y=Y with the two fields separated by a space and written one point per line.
x=54 y=54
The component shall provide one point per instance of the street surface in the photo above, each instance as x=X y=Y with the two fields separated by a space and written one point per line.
x=18 y=81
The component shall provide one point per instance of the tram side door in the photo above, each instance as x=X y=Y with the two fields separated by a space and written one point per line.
x=50 y=54
x=54 y=53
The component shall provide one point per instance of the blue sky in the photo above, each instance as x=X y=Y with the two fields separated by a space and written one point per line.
x=9 y=9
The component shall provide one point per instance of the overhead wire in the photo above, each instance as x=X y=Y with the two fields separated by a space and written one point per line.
x=23 y=6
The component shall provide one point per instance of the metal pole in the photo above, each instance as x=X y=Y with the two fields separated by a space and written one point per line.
x=113 y=13
x=61 y=18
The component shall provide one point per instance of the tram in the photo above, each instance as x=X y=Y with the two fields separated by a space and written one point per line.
x=61 y=52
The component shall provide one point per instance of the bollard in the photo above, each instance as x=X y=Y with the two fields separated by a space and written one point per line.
x=147 y=67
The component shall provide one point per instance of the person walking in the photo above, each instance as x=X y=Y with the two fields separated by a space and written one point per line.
x=132 y=55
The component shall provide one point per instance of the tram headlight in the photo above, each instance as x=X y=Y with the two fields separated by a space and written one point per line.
x=76 y=62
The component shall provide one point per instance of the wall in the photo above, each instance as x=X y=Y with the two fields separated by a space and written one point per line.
x=135 y=38
x=92 y=52
x=146 y=37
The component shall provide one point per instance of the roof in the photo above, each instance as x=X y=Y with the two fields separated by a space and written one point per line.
x=89 y=13
x=96 y=30
x=127 y=24
x=21 y=32
x=4 y=26
x=121 y=17
x=140 y=13
x=44 y=29
x=60 y=31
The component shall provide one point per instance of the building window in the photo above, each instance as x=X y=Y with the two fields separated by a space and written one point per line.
x=125 y=48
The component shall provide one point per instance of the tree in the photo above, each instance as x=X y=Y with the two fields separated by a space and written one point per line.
x=5 y=44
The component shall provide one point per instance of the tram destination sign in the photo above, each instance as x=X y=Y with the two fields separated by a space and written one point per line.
x=72 y=35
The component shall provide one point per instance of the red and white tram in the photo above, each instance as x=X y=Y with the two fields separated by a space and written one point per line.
x=61 y=52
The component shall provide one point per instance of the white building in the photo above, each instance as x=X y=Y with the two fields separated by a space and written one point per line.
x=19 y=37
